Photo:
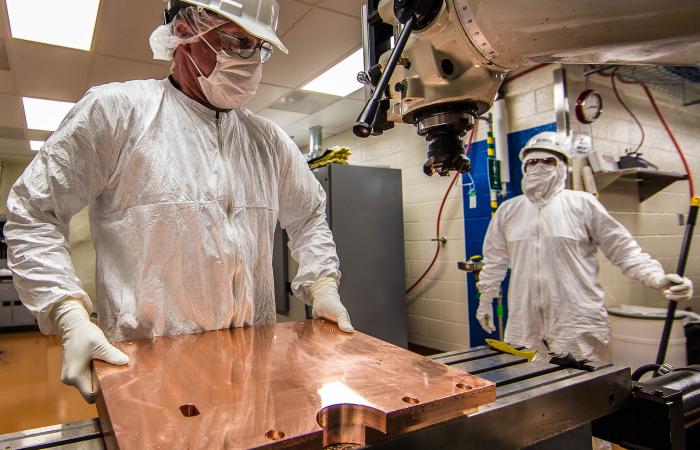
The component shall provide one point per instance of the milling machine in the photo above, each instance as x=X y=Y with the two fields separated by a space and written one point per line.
x=438 y=64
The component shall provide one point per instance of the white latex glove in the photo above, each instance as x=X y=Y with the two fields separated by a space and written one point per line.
x=680 y=288
x=674 y=286
x=325 y=303
x=82 y=341
x=484 y=314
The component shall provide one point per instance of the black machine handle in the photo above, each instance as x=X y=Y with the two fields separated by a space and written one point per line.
x=682 y=259
x=363 y=125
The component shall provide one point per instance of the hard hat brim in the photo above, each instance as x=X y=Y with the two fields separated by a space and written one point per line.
x=561 y=155
x=250 y=26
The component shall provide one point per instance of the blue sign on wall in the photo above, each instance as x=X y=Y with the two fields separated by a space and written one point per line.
x=476 y=220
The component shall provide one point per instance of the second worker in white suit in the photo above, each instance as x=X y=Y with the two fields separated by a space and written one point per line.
x=549 y=237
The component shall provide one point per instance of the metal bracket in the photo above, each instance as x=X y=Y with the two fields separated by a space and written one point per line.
x=652 y=419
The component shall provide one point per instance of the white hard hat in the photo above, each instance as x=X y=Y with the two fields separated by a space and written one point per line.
x=257 y=17
x=548 y=141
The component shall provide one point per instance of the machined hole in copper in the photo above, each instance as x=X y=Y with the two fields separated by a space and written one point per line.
x=346 y=423
x=411 y=400
x=466 y=387
x=274 y=435
x=189 y=410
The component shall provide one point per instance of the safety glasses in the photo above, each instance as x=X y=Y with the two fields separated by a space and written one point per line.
x=550 y=162
x=244 y=46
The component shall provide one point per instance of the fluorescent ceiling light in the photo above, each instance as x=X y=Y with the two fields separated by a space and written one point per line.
x=341 y=79
x=36 y=145
x=64 y=23
x=44 y=114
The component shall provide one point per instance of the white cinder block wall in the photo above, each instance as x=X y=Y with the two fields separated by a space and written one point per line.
x=654 y=222
x=438 y=306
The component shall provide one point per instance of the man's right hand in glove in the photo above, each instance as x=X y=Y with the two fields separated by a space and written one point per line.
x=484 y=314
x=674 y=286
x=82 y=342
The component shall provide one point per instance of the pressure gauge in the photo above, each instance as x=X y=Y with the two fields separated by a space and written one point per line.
x=589 y=105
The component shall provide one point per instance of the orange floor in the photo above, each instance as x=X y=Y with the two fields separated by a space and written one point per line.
x=31 y=392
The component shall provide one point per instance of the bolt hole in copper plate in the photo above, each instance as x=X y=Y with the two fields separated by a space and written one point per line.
x=466 y=387
x=411 y=400
x=274 y=435
x=189 y=410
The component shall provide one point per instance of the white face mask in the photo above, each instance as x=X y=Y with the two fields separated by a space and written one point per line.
x=541 y=182
x=233 y=82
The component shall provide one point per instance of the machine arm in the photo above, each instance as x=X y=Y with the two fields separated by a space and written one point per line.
x=449 y=69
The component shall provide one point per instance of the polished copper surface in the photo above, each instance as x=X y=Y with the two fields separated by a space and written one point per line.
x=289 y=385
x=31 y=392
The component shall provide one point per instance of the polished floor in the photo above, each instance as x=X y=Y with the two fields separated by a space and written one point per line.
x=31 y=392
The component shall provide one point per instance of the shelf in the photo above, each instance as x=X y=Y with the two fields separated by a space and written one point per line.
x=649 y=181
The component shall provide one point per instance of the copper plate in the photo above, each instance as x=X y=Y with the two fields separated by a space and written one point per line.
x=290 y=385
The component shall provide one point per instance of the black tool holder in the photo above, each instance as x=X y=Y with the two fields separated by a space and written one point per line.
x=662 y=413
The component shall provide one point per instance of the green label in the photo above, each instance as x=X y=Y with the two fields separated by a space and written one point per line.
x=472 y=198
x=494 y=174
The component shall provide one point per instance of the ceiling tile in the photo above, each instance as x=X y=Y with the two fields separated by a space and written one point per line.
x=19 y=159
x=304 y=102
x=350 y=7
x=292 y=131
x=4 y=23
x=49 y=72
x=300 y=136
x=37 y=135
x=15 y=148
x=265 y=95
x=7 y=82
x=281 y=118
x=106 y=69
x=124 y=27
x=12 y=133
x=11 y=113
x=316 y=42
x=290 y=12
x=4 y=60
x=340 y=116
x=301 y=141
x=9 y=142
x=358 y=95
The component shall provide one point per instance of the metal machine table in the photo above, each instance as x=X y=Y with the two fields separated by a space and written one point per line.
x=537 y=406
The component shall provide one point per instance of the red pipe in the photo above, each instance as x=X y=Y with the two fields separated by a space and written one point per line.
x=673 y=138
x=439 y=216
x=667 y=127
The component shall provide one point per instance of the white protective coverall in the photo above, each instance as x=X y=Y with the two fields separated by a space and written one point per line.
x=554 y=295
x=183 y=207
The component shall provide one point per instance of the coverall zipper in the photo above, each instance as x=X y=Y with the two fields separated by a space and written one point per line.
x=538 y=245
x=228 y=207
x=226 y=182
